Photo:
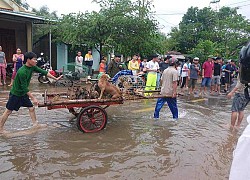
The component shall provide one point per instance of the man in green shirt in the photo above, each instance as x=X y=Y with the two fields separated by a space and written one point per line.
x=19 y=94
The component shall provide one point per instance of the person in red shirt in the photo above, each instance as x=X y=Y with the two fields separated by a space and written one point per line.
x=207 y=73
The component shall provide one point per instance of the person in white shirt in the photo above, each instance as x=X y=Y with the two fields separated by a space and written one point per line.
x=152 y=68
x=179 y=73
x=184 y=75
x=78 y=60
x=241 y=156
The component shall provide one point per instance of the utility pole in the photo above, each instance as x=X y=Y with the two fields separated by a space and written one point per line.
x=216 y=4
x=216 y=7
x=50 y=47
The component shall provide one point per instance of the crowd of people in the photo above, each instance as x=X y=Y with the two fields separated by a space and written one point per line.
x=165 y=74
x=162 y=74
x=87 y=61
x=214 y=73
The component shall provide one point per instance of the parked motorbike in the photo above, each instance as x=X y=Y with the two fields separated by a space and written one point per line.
x=45 y=65
x=42 y=78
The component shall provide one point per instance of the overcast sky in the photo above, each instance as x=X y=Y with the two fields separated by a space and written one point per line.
x=163 y=8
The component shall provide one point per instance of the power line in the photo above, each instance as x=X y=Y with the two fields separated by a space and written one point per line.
x=166 y=21
x=238 y=2
x=243 y=5
x=169 y=14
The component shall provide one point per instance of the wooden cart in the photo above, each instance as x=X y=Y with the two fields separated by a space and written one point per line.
x=90 y=111
x=91 y=115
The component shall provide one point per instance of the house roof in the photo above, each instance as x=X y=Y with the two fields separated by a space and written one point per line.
x=11 y=5
x=14 y=15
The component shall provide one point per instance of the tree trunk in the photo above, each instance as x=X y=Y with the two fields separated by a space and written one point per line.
x=100 y=52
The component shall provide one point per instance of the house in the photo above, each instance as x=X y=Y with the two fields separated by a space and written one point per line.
x=59 y=51
x=61 y=54
x=16 y=28
x=176 y=55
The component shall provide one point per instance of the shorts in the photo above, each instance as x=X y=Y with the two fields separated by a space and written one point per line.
x=15 y=102
x=239 y=102
x=206 y=82
x=192 y=83
x=216 y=80
x=227 y=79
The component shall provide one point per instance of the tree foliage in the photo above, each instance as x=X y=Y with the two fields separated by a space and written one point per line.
x=122 y=25
x=203 y=49
x=226 y=30
x=43 y=29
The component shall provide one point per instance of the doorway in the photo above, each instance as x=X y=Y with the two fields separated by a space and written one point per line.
x=8 y=43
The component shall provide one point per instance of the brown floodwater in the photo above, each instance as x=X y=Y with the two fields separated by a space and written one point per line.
x=132 y=146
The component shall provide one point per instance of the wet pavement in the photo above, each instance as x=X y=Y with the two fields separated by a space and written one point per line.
x=132 y=146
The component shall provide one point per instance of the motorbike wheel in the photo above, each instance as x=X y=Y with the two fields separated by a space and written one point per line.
x=43 y=79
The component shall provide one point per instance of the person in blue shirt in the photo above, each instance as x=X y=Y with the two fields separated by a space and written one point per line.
x=229 y=70
x=193 y=74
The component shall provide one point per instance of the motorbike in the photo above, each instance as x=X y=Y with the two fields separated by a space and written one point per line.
x=41 y=78
x=45 y=65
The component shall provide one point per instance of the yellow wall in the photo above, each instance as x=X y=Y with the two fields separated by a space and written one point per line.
x=29 y=36
x=9 y=4
x=4 y=5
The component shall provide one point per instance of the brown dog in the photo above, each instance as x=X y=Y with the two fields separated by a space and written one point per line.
x=107 y=87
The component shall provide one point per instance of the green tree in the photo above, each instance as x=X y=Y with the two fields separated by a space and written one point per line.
x=43 y=29
x=122 y=25
x=228 y=29
x=232 y=33
x=204 y=49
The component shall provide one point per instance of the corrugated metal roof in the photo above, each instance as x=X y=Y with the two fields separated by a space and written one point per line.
x=26 y=15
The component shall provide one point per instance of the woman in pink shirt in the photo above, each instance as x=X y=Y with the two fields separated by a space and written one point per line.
x=18 y=63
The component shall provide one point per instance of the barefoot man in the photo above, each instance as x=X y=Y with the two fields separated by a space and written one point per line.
x=239 y=104
x=19 y=94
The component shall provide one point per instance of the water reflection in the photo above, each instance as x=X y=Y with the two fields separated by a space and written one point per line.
x=133 y=146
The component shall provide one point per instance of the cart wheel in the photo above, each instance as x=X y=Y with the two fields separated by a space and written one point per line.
x=92 y=119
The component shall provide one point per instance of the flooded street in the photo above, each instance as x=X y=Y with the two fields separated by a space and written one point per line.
x=132 y=146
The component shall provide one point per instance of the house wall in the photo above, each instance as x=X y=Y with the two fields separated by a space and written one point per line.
x=4 y=5
x=62 y=55
x=96 y=57
x=29 y=36
x=43 y=46
x=20 y=33
x=8 y=4
x=18 y=40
